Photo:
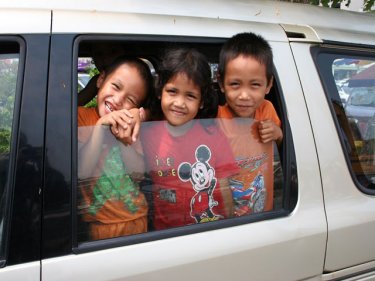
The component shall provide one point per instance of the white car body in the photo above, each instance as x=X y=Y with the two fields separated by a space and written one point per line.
x=329 y=235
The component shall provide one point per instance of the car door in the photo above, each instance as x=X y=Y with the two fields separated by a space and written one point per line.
x=345 y=149
x=237 y=249
x=23 y=74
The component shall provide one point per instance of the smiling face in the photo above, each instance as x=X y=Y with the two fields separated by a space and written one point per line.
x=180 y=100
x=123 y=88
x=245 y=85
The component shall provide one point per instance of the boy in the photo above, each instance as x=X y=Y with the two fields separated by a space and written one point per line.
x=245 y=77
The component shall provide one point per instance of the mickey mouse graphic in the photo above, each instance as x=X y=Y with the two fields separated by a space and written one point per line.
x=202 y=178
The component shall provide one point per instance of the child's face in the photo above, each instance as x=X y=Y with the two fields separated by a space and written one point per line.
x=124 y=88
x=180 y=100
x=245 y=85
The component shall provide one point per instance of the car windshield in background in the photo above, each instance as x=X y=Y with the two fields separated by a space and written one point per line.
x=362 y=97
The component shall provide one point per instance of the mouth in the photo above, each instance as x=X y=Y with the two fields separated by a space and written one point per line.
x=108 y=107
x=177 y=112
x=244 y=105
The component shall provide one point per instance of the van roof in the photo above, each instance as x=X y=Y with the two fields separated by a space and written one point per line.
x=307 y=22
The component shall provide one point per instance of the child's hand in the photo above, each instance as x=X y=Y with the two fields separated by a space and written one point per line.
x=269 y=131
x=120 y=119
x=129 y=134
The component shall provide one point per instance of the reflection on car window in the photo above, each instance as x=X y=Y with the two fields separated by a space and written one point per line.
x=142 y=188
x=8 y=79
x=355 y=82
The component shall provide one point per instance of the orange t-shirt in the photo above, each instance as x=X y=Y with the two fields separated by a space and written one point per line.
x=112 y=197
x=252 y=188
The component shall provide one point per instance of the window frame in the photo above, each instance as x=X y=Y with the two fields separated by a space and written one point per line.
x=324 y=70
x=290 y=186
x=9 y=186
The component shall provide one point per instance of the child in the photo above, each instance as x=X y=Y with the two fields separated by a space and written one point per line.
x=245 y=77
x=188 y=162
x=114 y=204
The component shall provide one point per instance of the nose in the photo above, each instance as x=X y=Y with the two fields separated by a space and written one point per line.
x=118 y=100
x=245 y=94
x=179 y=102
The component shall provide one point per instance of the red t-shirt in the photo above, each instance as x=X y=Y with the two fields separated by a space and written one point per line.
x=185 y=171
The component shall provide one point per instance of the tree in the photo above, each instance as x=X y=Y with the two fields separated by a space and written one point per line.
x=367 y=4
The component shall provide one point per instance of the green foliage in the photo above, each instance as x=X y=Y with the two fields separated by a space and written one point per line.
x=4 y=141
x=92 y=103
x=367 y=4
x=93 y=72
x=8 y=80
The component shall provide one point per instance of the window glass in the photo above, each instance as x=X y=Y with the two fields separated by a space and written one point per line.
x=353 y=100
x=163 y=181
x=8 y=79
x=216 y=169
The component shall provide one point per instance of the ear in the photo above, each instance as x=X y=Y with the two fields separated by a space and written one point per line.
x=269 y=86
x=101 y=79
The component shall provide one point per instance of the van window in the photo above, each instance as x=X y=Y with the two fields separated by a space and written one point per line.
x=9 y=60
x=131 y=190
x=350 y=80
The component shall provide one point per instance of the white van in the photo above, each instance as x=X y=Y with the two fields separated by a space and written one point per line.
x=322 y=225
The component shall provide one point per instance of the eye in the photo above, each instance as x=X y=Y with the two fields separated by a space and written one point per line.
x=170 y=90
x=256 y=85
x=234 y=84
x=133 y=101
x=116 y=86
x=192 y=96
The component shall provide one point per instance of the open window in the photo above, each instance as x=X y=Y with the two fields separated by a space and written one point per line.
x=98 y=194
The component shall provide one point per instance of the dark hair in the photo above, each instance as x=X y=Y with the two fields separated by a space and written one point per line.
x=195 y=66
x=143 y=70
x=249 y=45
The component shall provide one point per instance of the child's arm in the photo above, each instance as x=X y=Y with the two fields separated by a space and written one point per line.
x=133 y=160
x=227 y=197
x=269 y=131
x=89 y=152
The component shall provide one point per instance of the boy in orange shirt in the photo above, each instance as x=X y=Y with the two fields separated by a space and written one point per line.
x=249 y=121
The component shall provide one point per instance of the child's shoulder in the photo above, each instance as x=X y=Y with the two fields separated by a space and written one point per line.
x=267 y=111
x=87 y=116
x=267 y=105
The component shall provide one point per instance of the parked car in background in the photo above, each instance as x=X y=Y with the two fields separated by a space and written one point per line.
x=361 y=107
x=343 y=93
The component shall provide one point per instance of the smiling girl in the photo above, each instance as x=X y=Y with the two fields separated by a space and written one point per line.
x=188 y=159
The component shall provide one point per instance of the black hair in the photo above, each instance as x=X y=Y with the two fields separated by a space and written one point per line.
x=195 y=65
x=249 y=45
x=143 y=70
